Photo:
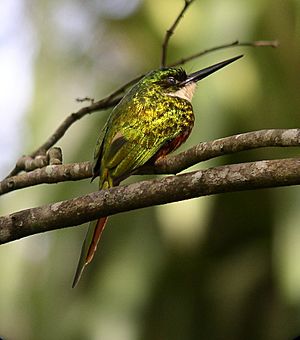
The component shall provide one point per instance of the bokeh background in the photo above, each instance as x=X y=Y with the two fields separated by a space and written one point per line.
x=222 y=267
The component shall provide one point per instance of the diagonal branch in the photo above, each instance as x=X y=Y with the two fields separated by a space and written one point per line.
x=169 y=165
x=228 y=178
x=259 y=43
x=105 y=103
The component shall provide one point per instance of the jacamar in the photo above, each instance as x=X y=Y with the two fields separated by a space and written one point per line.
x=153 y=119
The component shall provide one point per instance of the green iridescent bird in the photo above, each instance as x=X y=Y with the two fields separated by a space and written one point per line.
x=153 y=119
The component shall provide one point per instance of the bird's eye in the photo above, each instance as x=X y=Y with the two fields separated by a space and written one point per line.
x=171 y=80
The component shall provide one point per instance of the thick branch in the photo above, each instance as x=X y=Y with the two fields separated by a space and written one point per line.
x=228 y=145
x=229 y=178
x=170 y=165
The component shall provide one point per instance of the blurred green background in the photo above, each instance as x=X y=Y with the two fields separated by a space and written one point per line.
x=222 y=267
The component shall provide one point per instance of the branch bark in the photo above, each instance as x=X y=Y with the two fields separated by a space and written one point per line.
x=172 y=164
x=229 y=178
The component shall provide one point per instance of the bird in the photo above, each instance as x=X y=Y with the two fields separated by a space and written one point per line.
x=152 y=120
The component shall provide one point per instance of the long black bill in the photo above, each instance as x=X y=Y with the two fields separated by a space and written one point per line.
x=196 y=76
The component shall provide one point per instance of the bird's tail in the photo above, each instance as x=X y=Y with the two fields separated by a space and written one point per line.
x=89 y=246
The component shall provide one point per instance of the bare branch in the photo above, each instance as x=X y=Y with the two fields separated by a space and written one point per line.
x=171 y=30
x=48 y=174
x=171 y=164
x=85 y=99
x=260 y=43
x=228 y=145
x=55 y=156
x=28 y=163
x=102 y=104
x=228 y=178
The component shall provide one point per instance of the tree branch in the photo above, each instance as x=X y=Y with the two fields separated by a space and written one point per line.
x=169 y=165
x=105 y=103
x=228 y=145
x=48 y=174
x=259 y=43
x=171 y=30
x=228 y=178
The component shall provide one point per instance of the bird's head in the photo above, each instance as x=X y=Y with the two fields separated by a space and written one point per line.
x=175 y=82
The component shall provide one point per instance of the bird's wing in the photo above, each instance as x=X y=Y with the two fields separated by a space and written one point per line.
x=129 y=151
x=98 y=151
x=120 y=157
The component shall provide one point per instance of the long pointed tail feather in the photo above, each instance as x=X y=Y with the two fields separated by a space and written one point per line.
x=89 y=246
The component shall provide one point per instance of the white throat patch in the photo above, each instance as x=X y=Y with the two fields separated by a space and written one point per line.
x=186 y=92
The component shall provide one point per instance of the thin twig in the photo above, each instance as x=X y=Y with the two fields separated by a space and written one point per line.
x=260 y=43
x=85 y=99
x=171 y=30
x=103 y=104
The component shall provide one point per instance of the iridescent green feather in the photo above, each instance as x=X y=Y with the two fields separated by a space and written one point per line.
x=151 y=120
x=140 y=125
